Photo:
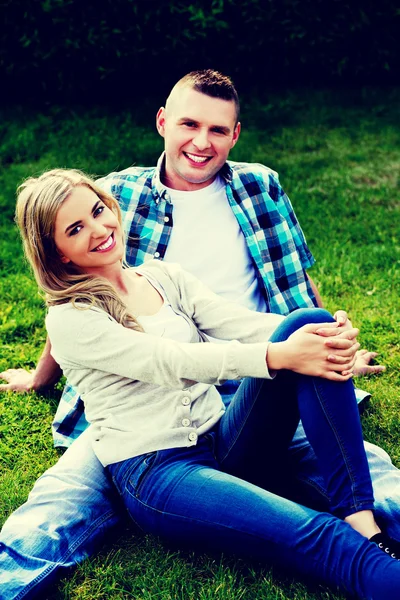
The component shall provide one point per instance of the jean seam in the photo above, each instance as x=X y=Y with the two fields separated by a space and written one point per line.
x=244 y=421
x=54 y=566
x=356 y=502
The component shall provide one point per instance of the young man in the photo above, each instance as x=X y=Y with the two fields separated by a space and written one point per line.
x=233 y=226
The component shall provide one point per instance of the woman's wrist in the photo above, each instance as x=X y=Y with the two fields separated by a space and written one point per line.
x=276 y=356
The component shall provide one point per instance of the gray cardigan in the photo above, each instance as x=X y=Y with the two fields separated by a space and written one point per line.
x=140 y=391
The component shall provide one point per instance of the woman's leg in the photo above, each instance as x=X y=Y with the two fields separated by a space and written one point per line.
x=307 y=486
x=182 y=496
x=330 y=417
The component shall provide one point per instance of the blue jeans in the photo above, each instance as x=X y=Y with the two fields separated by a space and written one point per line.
x=201 y=497
x=74 y=505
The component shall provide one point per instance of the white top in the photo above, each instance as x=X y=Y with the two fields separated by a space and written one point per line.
x=207 y=241
x=139 y=389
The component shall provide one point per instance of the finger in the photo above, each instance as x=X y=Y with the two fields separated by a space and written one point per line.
x=340 y=343
x=368 y=356
x=372 y=369
x=342 y=360
x=340 y=316
x=7 y=373
x=328 y=329
x=333 y=376
x=315 y=327
x=348 y=334
x=363 y=352
x=336 y=368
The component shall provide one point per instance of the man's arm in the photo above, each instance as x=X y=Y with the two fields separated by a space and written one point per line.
x=362 y=365
x=47 y=373
x=316 y=292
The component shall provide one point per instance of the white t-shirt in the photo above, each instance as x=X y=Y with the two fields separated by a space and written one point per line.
x=207 y=241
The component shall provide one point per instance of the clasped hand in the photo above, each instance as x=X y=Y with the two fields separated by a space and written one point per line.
x=326 y=350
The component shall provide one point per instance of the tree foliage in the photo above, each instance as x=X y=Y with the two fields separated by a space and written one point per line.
x=123 y=47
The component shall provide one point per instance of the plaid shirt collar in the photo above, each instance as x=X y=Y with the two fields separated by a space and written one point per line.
x=159 y=189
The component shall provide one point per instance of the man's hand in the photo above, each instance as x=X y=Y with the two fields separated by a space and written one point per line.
x=18 y=380
x=46 y=374
x=362 y=365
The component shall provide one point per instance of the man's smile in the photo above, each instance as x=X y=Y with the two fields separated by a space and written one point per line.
x=199 y=160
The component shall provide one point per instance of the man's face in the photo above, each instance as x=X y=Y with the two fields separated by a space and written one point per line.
x=199 y=132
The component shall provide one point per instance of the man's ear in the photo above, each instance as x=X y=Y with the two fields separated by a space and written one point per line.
x=236 y=133
x=160 y=121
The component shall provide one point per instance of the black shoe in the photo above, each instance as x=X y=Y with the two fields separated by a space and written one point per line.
x=387 y=544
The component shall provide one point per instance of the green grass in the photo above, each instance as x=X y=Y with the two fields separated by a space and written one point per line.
x=338 y=155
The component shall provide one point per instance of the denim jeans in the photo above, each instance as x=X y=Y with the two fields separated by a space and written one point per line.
x=202 y=496
x=74 y=504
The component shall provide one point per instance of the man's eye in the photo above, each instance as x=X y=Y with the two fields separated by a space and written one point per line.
x=217 y=130
x=98 y=211
x=190 y=124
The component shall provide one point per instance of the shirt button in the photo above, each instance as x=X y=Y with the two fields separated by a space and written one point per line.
x=192 y=436
x=185 y=401
x=166 y=219
x=156 y=254
x=186 y=422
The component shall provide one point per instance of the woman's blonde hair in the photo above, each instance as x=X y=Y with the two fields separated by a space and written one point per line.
x=38 y=201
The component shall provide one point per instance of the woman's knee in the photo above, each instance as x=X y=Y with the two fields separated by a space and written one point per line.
x=304 y=316
x=298 y=318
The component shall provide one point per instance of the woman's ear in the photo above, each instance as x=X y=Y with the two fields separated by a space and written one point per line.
x=64 y=259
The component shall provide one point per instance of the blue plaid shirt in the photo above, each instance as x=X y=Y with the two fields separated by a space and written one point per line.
x=273 y=235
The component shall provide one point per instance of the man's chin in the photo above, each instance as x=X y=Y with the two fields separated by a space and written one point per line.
x=197 y=176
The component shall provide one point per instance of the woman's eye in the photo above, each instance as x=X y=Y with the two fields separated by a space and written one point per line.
x=98 y=211
x=75 y=230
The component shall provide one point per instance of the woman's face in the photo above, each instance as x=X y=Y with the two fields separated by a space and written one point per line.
x=87 y=232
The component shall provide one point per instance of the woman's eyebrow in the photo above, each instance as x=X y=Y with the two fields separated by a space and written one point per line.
x=80 y=220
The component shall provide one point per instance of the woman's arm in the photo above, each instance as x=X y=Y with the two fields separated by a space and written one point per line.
x=89 y=339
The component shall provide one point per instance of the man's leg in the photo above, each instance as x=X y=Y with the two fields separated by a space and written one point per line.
x=308 y=488
x=67 y=514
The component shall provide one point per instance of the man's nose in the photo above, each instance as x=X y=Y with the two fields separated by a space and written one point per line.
x=201 y=140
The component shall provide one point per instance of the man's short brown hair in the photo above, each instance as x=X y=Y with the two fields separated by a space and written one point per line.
x=212 y=83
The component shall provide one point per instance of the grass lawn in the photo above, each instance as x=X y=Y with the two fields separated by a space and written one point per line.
x=338 y=156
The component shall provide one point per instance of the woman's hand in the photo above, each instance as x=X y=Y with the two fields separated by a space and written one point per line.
x=320 y=349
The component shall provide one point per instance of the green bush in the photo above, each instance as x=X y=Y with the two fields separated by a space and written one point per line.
x=120 y=48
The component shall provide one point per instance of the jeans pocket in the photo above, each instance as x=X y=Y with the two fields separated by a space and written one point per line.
x=139 y=474
x=128 y=475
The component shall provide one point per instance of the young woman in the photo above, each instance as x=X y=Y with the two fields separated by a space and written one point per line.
x=134 y=343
